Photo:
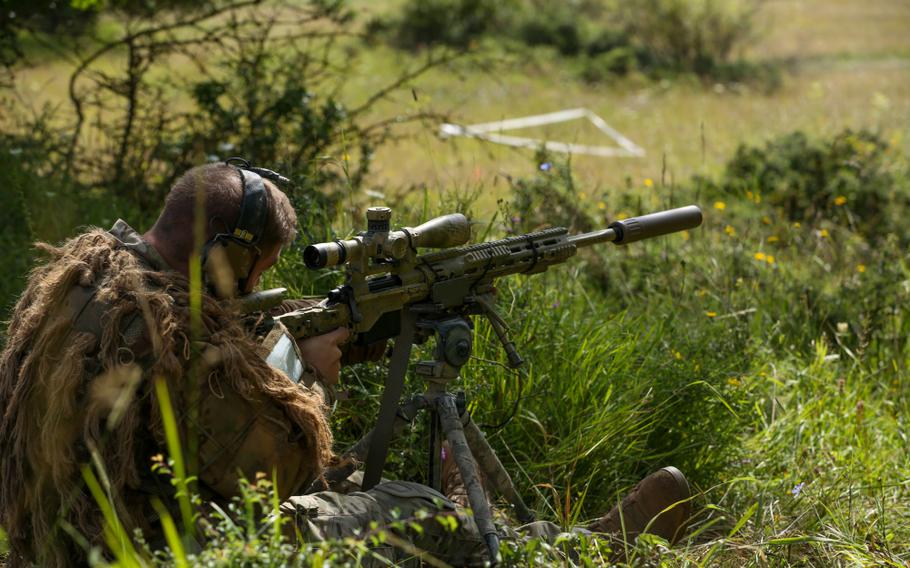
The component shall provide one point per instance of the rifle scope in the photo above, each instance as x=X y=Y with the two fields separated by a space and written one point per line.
x=378 y=242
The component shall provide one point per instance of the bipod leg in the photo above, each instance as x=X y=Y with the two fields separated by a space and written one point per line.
x=461 y=451
x=492 y=468
x=394 y=387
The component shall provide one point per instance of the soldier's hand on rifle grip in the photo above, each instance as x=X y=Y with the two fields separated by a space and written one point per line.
x=323 y=352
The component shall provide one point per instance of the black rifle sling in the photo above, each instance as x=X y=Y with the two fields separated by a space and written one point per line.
x=391 y=396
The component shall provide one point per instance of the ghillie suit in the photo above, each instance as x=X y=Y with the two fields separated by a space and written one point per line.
x=97 y=325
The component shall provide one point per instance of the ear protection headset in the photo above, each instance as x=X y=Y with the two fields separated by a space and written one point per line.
x=240 y=249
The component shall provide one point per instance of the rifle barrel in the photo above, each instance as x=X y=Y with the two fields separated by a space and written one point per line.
x=644 y=227
x=593 y=238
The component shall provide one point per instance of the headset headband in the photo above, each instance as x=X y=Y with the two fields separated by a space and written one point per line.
x=254 y=206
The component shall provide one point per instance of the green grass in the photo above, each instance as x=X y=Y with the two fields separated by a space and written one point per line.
x=767 y=360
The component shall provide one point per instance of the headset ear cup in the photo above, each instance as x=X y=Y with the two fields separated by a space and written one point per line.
x=218 y=273
x=240 y=258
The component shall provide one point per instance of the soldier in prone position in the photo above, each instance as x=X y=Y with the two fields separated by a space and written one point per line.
x=109 y=314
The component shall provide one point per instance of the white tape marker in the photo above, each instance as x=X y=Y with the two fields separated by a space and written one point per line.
x=490 y=131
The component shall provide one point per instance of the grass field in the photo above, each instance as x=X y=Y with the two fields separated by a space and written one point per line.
x=848 y=62
x=763 y=354
x=850 y=68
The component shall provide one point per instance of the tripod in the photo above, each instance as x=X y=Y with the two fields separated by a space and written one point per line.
x=448 y=417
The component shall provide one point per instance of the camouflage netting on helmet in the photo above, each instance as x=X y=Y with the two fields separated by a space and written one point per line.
x=53 y=416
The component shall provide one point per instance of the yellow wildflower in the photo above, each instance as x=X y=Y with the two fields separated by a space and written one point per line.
x=601 y=205
x=730 y=230
x=760 y=256
x=766 y=220
x=677 y=355
x=840 y=200
x=860 y=268
x=733 y=382
x=770 y=259
x=649 y=182
x=824 y=233
x=797 y=225
x=711 y=314
x=749 y=195
x=685 y=235
x=346 y=157
x=720 y=205
x=622 y=215
x=773 y=239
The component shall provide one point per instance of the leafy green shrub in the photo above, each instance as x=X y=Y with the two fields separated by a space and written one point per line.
x=656 y=37
x=553 y=184
x=553 y=24
x=695 y=36
x=446 y=22
x=264 y=108
x=854 y=179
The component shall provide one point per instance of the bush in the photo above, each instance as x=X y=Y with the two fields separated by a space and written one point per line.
x=855 y=179
x=657 y=37
x=688 y=35
x=447 y=22
x=553 y=24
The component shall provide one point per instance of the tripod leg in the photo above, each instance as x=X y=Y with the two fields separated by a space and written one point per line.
x=451 y=425
x=434 y=465
x=492 y=468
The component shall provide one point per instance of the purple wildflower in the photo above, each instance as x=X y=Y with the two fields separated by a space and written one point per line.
x=546 y=166
x=798 y=489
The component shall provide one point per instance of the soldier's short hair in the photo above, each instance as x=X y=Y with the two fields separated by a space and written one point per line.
x=223 y=195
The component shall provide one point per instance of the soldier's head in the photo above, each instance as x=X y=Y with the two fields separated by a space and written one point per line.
x=246 y=222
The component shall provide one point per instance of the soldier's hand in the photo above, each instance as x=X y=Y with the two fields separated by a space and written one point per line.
x=361 y=353
x=323 y=352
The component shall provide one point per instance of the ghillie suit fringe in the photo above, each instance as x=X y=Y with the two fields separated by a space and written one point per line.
x=52 y=422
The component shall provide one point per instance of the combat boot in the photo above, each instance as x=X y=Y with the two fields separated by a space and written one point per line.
x=660 y=502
